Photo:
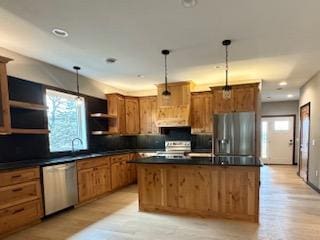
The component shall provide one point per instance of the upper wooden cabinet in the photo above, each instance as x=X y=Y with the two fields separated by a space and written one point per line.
x=116 y=106
x=5 y=122
x=132 y=115
x=244 y=98
x=201 y=113
x=148 y=114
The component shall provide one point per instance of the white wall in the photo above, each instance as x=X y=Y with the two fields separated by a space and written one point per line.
x=284 y=108
x=41 y=72
x=310 y=92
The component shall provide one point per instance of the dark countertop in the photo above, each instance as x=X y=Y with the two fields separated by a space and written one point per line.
x=65 y=159
x=216 y=160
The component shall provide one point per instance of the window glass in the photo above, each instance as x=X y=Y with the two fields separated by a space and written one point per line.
x=281 y=125
x=264 y=139
x=66 y=121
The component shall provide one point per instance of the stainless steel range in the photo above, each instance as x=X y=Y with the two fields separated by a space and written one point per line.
x=176 y=149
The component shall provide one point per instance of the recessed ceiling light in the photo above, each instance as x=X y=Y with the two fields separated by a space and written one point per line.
x=218 y=66
x=140 y=76
x=289 y=95
x=269 y=97
x=60 y=32
x=280 y=88
x=283 y=83
x=111 y=60
x=189 y=3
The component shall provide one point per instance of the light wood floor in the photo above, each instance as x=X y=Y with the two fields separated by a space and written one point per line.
x=289 y=210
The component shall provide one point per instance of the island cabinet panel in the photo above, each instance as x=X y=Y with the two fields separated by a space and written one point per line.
x=201 y=113
x=94 y=178
x=227 y=192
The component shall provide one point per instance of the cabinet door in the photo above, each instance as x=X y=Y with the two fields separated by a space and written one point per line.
x=122 y=115
x=145 y=116
x=102 y=180
x=86 y=184
x=201 y=113
x=132 y=116
x=221 y=105
x=115 y=175
x=5 y=123
x=244 y=99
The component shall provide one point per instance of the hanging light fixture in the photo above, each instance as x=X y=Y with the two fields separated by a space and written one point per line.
x=226 y=88
x=77 y=68
x=166 y=93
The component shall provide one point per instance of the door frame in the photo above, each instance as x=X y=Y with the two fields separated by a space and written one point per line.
x=294 y=132
x=309 y=105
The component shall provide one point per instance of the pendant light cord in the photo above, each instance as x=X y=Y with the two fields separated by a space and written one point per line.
x=78 y=91
x=227 y=65
x=166 y=72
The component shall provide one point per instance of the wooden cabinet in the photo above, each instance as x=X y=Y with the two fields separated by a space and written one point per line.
x=201 y=113
x=116 y=107
x=122 y=173
x=132 y=115
x=94 y=178
x=244 y=98
x=20 y=199
x=148 y=114
x=5 y=122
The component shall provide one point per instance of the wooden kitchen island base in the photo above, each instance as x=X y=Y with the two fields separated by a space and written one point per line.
x=230 y=192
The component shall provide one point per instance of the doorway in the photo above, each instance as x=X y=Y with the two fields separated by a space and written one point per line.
x=278 y=139
x=304 y=141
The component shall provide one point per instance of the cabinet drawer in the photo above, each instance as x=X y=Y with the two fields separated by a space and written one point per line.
x=93 y=162
x=20 y=215
x=18 y=176
x=19 y=193
x=119 y=158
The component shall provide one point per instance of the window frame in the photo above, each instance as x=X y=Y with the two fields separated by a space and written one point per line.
x=86 y=118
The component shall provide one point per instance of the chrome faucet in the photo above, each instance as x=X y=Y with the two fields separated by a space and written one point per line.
x=72 y=143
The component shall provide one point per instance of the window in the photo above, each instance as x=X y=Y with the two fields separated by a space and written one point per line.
x=66 y=121
x=281 y=125
x=264 y=139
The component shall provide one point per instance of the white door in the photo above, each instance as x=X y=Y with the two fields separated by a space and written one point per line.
x=277 y=140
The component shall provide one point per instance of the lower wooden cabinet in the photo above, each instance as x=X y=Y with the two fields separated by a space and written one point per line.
x=93 y=181
x=20 y=199
x=122 y=173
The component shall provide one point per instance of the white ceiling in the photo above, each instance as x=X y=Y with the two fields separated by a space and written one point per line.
x=273 y=40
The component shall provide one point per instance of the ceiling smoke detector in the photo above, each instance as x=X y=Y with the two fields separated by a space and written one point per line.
x=60 y=32
x=111 y=60
x=189 y=3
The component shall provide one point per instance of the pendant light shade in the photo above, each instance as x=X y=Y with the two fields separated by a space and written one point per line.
x=227 y=88
x=166 y=93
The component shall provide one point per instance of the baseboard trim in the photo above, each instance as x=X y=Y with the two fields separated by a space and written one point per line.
x=313 y=187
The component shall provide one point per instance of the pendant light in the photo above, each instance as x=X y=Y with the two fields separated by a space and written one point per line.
x=166 y=93
x=77 y=68
x=226 y=88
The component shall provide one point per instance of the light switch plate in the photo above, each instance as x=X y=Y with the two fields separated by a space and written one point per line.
x=313 y=142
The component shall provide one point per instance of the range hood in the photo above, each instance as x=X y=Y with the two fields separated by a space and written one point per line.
x=174 y=110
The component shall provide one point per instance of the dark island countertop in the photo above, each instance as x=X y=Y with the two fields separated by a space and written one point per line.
x=215 y=160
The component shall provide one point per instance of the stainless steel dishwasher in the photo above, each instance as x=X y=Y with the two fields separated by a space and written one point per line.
x=60 y=187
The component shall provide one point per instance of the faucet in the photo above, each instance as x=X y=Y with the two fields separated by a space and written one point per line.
x=72 y=143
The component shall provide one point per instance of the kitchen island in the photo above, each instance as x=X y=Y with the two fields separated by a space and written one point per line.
x=226 y=187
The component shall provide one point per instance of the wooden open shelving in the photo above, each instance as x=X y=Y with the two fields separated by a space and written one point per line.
x=102 y=115
x=103 y=133
x=26 y=105
x=29 y=131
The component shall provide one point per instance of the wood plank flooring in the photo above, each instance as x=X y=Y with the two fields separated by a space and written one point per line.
x=289 y=210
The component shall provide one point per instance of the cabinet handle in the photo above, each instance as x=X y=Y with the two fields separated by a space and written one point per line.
x=17 y=190
x=17 y=211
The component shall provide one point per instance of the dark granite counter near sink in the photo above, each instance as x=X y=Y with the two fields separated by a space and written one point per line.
x=65 y=159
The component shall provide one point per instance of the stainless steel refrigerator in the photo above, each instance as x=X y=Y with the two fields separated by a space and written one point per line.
x=234 y=133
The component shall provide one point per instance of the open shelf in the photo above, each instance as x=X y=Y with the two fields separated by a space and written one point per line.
x=102 y=115
x=102 y=133
x=26 y=105
x=29 y=131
